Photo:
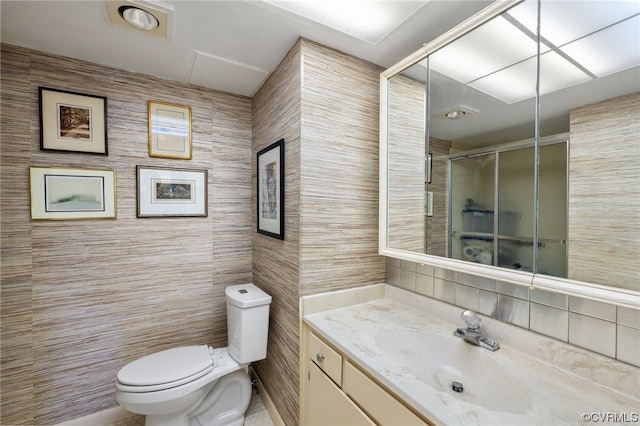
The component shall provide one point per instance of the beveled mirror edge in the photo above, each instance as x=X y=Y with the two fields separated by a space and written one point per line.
x=612 y=295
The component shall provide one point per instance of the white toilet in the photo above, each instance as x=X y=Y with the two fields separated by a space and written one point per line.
x=200 y=385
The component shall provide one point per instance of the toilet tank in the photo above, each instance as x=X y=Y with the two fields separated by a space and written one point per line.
x=247 y=322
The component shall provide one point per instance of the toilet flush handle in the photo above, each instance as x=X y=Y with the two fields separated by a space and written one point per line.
x=320 y=357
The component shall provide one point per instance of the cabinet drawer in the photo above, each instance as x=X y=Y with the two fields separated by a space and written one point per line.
x=384 y=408
x=326 y=358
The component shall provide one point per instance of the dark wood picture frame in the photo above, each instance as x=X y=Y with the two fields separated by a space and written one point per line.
x=270 y=190
x=72 y=122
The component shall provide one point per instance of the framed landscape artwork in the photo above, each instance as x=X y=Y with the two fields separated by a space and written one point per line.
x=72 y=122
x=59 y=193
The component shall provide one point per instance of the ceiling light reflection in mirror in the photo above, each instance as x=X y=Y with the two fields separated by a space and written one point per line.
x=573 y=50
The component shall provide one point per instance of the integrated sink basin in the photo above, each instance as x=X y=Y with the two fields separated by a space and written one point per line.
x=456 y=367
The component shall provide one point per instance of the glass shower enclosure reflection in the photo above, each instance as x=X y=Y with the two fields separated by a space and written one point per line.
x=492 y=205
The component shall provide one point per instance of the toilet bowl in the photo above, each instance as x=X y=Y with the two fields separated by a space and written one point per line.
x=200 y=385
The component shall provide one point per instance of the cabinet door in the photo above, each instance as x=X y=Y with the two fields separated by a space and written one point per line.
x=327 y=405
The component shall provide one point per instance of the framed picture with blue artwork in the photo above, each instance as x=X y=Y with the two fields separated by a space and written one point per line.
x=68 y=193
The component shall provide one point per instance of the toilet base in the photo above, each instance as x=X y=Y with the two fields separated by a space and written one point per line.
x=224 y=405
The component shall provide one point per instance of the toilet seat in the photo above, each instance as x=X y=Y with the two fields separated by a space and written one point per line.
x=223 y=364
x=166 y=369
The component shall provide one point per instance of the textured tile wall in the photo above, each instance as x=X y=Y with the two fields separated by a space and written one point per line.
x=338 y=171
x=606 y=329
x=325 y=105
x=406 y=168
x=79 y=299
x=276 y=264
x=607 y=253
x=16 y=310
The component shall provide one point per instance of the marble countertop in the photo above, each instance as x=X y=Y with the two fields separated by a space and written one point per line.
x=555 y=395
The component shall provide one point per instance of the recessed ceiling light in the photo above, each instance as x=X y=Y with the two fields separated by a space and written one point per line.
x=148 y=17
x=458 y=112
x=453 y=115
x=138 y=18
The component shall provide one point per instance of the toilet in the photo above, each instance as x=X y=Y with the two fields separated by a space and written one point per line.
x=199 y=385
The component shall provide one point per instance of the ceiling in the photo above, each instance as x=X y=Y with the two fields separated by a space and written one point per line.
x=231 y=46
x=589 y=52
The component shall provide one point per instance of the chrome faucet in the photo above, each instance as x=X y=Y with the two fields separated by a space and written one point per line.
x=472 y=333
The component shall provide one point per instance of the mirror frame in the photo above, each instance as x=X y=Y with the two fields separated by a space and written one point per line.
x=613 y=295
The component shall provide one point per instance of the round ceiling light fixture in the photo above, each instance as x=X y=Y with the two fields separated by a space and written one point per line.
x=457 y=112
x=453 y=115
x=138 y=18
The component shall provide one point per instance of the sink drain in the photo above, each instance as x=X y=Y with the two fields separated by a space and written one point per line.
x=457 y=387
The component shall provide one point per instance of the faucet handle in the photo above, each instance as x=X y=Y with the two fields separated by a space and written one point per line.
x=471 y=319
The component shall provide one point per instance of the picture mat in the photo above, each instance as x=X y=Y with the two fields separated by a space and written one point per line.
x=73 y=186
x=169 y=130
x=150 y=203
x=52 y=101
x=267 y=223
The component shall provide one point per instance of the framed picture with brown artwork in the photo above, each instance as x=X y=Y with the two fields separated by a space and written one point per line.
x=72 y=122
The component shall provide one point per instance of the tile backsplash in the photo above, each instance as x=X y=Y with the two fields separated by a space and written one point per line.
x=606 y=329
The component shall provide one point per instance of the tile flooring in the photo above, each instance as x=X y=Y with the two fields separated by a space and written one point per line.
x=257 y=414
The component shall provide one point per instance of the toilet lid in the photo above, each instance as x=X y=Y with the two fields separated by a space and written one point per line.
x=167 y=366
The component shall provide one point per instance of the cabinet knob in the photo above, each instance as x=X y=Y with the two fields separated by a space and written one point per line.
x=320 y=357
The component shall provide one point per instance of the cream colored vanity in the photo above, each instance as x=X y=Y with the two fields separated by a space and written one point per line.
x=338 y=392
x=383 y=355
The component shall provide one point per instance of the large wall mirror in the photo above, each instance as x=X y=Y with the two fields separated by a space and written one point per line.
x=510 y=148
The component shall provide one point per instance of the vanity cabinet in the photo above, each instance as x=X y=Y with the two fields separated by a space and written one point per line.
x=328 y=405
x=337 y=392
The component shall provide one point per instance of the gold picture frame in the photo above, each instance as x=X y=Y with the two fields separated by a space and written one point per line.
x=62 y=193
x=72 y=122
x=169 y=130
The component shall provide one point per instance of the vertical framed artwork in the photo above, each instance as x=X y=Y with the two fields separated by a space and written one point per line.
x=169 y=130
x=166 y=192
x=270 y=188
x=59 y=193
x=72 y=122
